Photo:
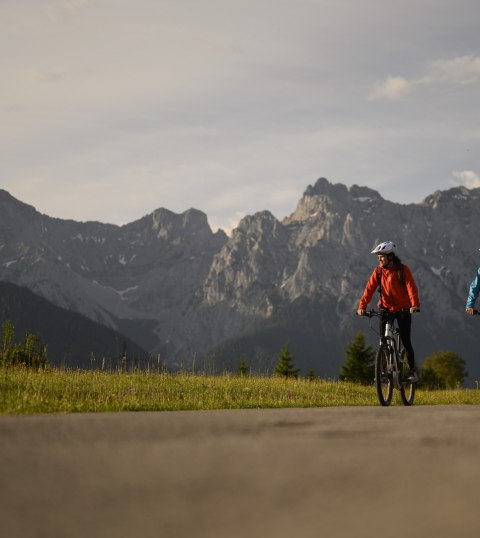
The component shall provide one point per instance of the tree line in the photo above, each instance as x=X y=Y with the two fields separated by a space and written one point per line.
x=441 y=370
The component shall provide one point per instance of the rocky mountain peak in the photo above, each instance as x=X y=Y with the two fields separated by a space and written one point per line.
x=259 y=223
x=455 y=195
x=323 y=187
x=364 y=193
x=325 y=202
x=175 y=227
x=12 y=210
x=166 y=223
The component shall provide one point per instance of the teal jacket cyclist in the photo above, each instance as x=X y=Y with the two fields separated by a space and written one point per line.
x=473 y=294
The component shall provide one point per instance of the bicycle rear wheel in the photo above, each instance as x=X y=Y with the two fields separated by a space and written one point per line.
x=407 y=392
x=383 y=378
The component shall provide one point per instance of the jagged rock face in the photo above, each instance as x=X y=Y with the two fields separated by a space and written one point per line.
x=197 y=289
x=246 y=272
x=437 y=238
x=151 y=269
x=321 y=253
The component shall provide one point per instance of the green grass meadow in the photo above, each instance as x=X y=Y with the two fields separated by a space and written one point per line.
x=27 y=391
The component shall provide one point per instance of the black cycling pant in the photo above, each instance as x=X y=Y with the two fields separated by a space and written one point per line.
x=404 y=320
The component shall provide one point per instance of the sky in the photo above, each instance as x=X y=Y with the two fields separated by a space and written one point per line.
x=111 y=109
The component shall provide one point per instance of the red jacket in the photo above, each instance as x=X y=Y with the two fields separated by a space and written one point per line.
x=395 y=294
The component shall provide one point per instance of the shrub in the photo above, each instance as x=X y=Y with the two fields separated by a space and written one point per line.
x=443 y=370
x=29 y=352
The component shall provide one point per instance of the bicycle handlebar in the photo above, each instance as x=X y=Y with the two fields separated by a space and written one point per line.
x=372 y=313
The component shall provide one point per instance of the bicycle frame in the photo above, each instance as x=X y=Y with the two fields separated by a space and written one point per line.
x=392 y=340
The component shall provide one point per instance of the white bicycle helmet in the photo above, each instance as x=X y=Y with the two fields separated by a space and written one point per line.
x=386 y=247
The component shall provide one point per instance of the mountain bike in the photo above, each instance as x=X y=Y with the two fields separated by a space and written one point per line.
x=391 y=365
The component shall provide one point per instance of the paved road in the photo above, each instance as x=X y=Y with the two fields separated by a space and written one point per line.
x=283 y=473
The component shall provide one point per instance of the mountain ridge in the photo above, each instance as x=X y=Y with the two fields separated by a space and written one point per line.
x=193 y=294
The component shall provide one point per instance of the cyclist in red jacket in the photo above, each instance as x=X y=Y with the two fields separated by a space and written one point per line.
x=398 y=296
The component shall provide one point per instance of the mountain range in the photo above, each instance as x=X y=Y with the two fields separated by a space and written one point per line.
x=205 y=300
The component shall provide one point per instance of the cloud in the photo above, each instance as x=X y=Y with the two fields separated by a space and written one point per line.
x=467 y=178
x=113 y=109
x=59 y=10
x=227 y=225
x=392 y=88
x=458 y=71
x=37 y=76
x=462 y=70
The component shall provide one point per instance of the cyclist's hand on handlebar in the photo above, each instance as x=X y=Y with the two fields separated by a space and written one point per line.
x=471 y=311
x=414 y=309
x=360 y=312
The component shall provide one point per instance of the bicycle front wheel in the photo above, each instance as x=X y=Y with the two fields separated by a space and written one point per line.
x=383 y=378
x=407 y=392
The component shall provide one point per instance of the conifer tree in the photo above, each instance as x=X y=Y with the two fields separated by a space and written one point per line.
x=285 y=365
x=243 y=368
x=360 y=364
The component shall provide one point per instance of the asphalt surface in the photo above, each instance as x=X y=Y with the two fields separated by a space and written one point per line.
x=327 y=472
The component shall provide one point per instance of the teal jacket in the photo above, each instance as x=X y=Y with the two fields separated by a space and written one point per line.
x=474 y=290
